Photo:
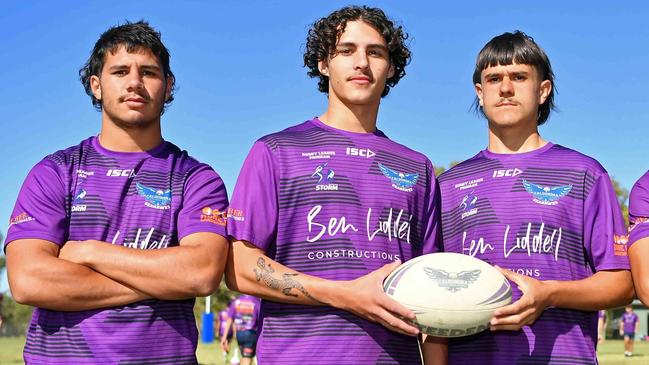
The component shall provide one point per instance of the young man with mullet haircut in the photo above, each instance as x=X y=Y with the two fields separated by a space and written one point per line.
x=310 y=207
x=113 y=239
x=547 y=215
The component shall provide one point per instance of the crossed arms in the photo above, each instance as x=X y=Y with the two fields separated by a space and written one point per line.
x=85 y=275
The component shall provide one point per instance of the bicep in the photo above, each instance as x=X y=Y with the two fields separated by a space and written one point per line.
x=26 y=260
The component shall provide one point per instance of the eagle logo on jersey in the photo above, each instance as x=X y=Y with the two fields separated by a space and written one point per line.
x=546 y=195
x=154 y=198
x=451 y=281
x=400 y=181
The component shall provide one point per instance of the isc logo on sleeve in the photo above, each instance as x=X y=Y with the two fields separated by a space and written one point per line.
x=507 y=172
x=119 y=172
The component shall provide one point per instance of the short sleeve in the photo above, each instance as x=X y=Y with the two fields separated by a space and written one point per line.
x=431 y=238
x=605 y=236
x=639 y=210
x=205 y=204
x=253 y=210
x=40 y=211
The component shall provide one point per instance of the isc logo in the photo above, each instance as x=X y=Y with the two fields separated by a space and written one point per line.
x=363 y=152
x=509 y=173
x=118 y=172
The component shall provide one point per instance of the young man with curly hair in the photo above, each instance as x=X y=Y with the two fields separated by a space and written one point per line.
x=112 y=239
x=546 y=214
x=323 y=211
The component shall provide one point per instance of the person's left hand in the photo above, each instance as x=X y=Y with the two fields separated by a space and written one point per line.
x=527 y=308
x=74 y=251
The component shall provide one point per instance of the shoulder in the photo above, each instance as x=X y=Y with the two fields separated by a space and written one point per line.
x=468 y=166
x=570 y=158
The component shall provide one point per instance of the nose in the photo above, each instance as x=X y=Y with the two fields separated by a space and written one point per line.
x=134 y=81
x=361 y=60
x=506 y=87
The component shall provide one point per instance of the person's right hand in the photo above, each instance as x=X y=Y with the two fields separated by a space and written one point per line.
x=365 y=298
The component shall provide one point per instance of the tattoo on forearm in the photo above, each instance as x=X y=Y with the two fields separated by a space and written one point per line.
x=285 y=284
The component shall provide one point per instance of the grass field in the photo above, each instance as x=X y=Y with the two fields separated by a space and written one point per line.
x=610 y=353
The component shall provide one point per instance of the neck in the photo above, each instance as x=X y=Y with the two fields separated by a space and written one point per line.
x=518 y=139
x=129 y=139
x=351 y=117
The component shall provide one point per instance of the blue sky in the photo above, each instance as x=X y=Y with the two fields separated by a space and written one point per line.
x=240 y=76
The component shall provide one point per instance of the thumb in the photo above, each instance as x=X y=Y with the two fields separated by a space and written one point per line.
x=388 y=268
x=510 y=275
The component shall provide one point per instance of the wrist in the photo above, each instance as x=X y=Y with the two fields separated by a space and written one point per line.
x=551 y=293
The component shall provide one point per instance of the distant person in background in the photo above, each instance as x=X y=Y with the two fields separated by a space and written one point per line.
x=602 y=321
x=243 y=315
x=223 y=330
x=629 y=324
x=113 y=238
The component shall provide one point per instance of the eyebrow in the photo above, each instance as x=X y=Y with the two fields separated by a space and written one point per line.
x=371 y=45
x=147 y=67
x=492 y=74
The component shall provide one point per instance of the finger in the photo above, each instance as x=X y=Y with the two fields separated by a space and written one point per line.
x=394 y=307
x=509 y=327
x=511 y=309
x=526 y=317
x=396 y=324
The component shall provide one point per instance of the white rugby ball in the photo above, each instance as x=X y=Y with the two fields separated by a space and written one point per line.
x=452 y=295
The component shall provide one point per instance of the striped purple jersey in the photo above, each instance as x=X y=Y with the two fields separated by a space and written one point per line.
x=336 y=205
x=148 y=200
x=244 y=312
x=639 y=210
x=551 y=214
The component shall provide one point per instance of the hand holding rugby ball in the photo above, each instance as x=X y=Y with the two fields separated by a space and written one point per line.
x=452 y=295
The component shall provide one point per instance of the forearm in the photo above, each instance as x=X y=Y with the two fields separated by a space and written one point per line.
x=602 y=290
x=51 y=283
x=178 y=272
x=639 y=260
x=250 y=271
x=434 y=350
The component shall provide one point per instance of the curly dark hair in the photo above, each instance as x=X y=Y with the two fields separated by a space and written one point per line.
x=133 y=36
x=324 y=34
x=516 y=47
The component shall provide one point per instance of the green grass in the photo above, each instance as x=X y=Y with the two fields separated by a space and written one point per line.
x=610 y=353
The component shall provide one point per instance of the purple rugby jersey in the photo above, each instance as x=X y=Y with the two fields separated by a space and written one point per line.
x=629 y=321
x=244 y=312
x=550 y=214
x=147 y=200
x=639 y=210
x=336 y=205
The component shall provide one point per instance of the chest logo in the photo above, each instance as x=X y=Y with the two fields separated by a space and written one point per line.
x=325 y=178
x=546 y=195
x=469 y=205
x=154 y=198
x=400 y=181
x=78 y=201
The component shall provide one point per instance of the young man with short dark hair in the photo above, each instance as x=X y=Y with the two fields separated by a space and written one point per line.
x=547 y=215
x=113 y=239
x=323 y=211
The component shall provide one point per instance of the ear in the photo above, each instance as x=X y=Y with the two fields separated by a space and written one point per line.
x=95 y=86
x=391 y=70
x=323 y=67
x=169 y=88
x=544 y=91
x=478 y=92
